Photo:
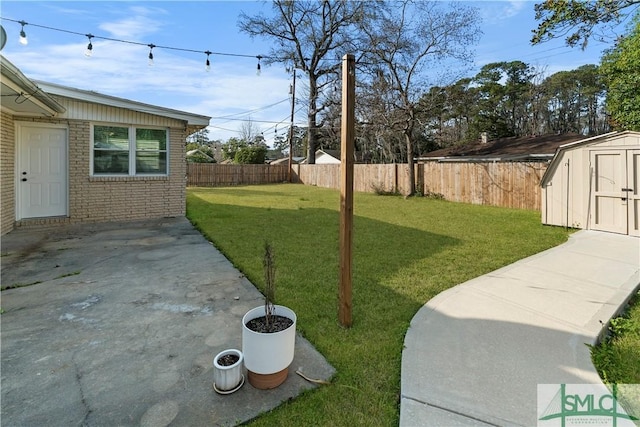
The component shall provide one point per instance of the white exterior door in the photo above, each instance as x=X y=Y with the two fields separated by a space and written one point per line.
x=633 y=191
x=615 y=201
x=41 y=172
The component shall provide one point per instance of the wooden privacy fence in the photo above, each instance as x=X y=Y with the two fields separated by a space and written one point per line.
x=506 y=184
x=366 y=178
x=217 y=175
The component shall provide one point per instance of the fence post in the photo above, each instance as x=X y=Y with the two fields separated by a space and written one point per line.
x=420 y=178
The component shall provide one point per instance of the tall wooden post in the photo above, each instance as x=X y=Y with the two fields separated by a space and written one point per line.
x=293 y=112
x=346 y=187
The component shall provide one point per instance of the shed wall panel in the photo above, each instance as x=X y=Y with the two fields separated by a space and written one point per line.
x=568 y=193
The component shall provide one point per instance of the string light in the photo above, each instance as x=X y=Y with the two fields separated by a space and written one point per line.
x=151 y=46
x=23 y=35
x=207 y=65
x=89 y=50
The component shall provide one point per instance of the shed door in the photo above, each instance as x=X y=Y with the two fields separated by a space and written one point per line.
x=615 y=201
x=633 y=191
x=42 y=172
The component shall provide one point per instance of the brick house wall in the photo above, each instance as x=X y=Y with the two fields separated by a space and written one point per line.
x=94 y=198
x=7 y=181
x=97 y=198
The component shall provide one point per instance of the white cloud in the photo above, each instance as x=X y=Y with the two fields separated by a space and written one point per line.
x=177 y=80
x=131 y=28
x=495 y=12
x=513 y=8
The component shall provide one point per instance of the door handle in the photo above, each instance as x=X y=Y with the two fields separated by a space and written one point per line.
x=626 y=189
x=23 y=179
x=24 y=173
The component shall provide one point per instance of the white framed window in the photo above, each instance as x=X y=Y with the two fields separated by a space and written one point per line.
x=129 y=150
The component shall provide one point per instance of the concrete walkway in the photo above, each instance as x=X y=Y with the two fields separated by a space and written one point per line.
x=475 y=353
x=118 y=324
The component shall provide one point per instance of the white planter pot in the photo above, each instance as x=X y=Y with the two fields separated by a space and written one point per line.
x=267 y=354
x=227 y=379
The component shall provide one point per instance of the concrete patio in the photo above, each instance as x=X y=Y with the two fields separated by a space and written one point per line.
x=118 y=324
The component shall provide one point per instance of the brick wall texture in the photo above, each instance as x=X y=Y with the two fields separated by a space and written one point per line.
x=99 y=199
x=7 y=181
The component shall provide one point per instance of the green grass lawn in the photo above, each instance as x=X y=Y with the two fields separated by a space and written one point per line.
x=618 y=357
x=405 y=253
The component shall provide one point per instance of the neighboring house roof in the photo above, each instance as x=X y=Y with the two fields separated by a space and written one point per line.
x=511 y=148
x=194 y=122
x=199 y=152
x=285 y=160
x=333 y=153
x=548 y=174
x=23 y=96
x=337 y=155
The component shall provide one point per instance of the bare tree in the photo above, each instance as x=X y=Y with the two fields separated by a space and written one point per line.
x=405 y=41
x=311 y=36
x=249 y=131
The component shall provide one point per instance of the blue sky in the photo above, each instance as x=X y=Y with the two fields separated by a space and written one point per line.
x=231 y=91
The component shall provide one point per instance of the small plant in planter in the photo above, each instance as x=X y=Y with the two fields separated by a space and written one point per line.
x=227 y=371
x=268 y=334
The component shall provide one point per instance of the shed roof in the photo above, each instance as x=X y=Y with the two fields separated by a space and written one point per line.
x=573 y=145
x=511 y=148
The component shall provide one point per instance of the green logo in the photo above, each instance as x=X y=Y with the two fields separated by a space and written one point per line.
x=584 y=405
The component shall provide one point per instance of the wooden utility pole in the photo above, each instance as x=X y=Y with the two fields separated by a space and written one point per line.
x=347 y=137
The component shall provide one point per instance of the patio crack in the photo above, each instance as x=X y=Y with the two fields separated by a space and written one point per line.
x=83 y=399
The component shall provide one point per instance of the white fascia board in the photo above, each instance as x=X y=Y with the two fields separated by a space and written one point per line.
x=586 y=140
x=98 y=98
x=21 y=83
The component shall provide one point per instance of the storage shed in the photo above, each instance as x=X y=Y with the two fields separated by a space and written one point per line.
x=594 y=184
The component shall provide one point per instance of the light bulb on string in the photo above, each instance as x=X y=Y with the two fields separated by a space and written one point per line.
x=207 y=65
x=89 y=50
x=258 y=70
x=23 y=35
x=151 y=46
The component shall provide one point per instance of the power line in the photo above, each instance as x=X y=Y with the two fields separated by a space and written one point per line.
x=244 y=113
x=283 y=120
x=250 y=120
